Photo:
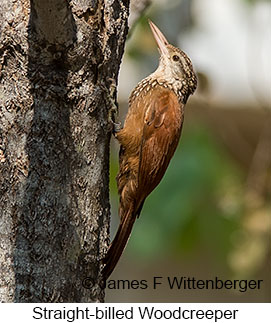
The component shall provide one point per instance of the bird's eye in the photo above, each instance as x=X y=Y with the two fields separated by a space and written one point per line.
x=175 y=58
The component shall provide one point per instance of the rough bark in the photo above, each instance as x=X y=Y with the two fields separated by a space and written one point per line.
x=57 y=61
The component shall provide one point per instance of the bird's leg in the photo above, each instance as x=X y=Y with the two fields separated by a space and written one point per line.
x=111 y=118
x=116 y=126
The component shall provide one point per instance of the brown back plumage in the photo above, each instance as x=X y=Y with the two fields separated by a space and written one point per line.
x=149 y=137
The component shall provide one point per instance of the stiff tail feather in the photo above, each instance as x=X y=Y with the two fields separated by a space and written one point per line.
x=118 y=244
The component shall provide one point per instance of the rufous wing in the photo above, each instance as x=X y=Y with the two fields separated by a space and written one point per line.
x=161 y=132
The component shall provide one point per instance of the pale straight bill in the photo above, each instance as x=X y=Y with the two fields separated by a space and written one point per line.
x=128 y=312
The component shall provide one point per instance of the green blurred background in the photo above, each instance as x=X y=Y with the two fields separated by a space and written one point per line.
x=210 y=215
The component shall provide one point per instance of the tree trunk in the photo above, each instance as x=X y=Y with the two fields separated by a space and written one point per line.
x=57 y=61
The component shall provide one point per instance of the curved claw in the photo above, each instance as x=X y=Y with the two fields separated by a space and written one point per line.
x=111 y=119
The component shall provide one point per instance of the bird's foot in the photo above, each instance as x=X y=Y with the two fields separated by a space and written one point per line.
x=116 y=126
x=113 y=111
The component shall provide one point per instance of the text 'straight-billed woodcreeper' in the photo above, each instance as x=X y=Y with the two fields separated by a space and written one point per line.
x=149 y=137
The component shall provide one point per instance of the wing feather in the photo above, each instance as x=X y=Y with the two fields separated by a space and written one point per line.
x=161 y=132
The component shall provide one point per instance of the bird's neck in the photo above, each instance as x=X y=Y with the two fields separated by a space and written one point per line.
x=179 y=86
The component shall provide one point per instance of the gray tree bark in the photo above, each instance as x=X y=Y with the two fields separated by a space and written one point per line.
x=57 y=61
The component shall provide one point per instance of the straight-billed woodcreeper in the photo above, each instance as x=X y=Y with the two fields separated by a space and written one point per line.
x=149 y=137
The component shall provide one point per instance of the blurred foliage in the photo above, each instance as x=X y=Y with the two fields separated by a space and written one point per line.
x=252 y=2
x=206 y=203
x=195 y=207
x=211 y=213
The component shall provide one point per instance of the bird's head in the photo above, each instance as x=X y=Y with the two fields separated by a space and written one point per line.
x=174 y=66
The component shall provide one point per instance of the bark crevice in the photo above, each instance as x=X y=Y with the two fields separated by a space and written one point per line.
x=56 y=69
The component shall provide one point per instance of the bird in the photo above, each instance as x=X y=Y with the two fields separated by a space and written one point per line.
x=149 y=137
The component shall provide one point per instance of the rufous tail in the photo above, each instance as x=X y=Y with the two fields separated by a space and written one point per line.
x=118 y=244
